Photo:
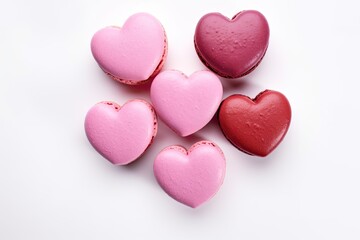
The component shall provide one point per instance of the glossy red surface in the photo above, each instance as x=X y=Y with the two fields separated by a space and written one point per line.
x=232 y=47
x=255 y=126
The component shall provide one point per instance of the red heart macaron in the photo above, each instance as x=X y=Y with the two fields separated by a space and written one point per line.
x=233 y=47
x=255 y=126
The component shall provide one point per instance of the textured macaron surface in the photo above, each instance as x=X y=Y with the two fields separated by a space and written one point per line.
x=191 y=177
x=132 y=53
x=232 y=47
x=255 y=126
x=186 y=104
x=121 y=134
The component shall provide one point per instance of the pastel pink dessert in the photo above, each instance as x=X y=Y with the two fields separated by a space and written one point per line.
x=191 y=177
x=186 y=104
x=121 y=134
x=234 y=47
x=133 y=54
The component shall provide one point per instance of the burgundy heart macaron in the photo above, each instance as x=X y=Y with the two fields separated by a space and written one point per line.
x=234 y=47
x=255 y=126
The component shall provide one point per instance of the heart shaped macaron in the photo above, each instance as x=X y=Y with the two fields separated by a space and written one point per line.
x=134 y=53
x=191 y=177
x=255 y=126
x=121 y=134
x=233 y=47
x=186 y=104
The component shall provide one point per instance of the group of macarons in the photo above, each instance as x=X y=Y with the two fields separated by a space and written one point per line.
x=229 y=48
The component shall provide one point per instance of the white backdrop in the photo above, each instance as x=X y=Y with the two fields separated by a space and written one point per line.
x=53 y=185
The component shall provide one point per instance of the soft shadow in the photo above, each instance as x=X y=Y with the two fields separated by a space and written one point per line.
x=164 y=132
x=191 y=140
x=141 y=89
x=277 y=156
x=138 y=89
x=167 y=137
x=239 y=86
x=211 y=131
x=231 y=83
x=262 y=162
x=143 y=166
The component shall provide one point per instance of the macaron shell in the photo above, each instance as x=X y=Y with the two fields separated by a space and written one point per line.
x=191 y=177
x=255 y=126
x=186 y=104
x=133 y=53
x=232 y=48
x=121 y=134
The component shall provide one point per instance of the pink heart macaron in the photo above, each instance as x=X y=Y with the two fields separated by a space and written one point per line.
x=121 y=134
x=191 y=177
x=234 y=47
x=186 y=104
x=133 y=54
